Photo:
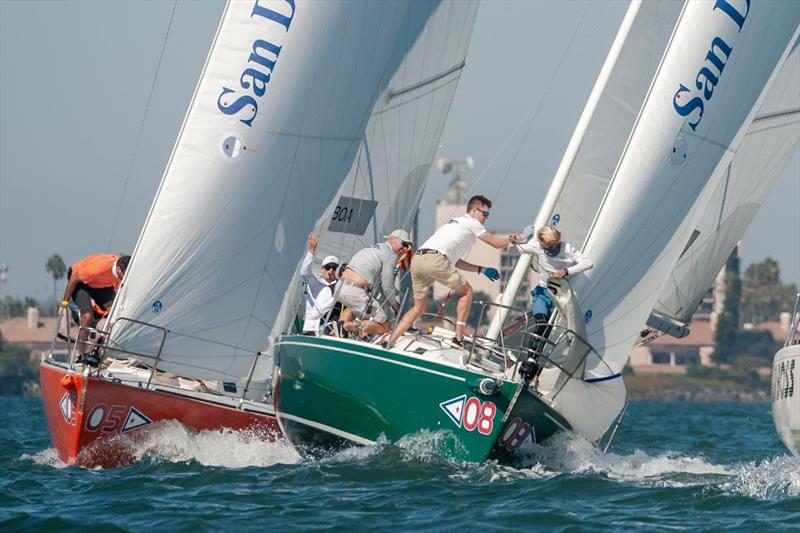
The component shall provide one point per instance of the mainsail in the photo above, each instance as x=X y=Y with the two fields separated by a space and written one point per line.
x=744 y=185
x=385 y=184
x=272 y=131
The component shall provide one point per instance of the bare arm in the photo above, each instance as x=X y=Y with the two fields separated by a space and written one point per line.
x=71 y=284
x=499 y=242
x=305 y=268
x=466 y=266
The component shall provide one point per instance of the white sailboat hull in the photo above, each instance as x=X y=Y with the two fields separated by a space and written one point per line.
x=786 y=396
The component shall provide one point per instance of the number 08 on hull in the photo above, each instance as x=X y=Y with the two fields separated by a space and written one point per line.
x=331 y=393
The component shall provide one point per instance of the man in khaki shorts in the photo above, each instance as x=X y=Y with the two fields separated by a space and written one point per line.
x=440 y=259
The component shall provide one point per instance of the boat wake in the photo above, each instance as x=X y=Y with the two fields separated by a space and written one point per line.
x=173 y=442
x=170 y=441
x=773 y=478
x=48 y=457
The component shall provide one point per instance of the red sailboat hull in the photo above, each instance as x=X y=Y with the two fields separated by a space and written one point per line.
x=93 y=421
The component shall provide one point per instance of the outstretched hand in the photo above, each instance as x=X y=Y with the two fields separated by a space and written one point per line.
x=313 y=241
x=491 y=273
x=516 y=238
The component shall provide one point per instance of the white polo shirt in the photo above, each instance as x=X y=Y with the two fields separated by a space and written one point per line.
x=455 y=238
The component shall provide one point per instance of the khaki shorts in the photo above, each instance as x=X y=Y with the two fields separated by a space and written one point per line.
x=427 y=268
x=356 y=299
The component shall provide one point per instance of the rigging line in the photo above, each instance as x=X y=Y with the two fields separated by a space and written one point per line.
x=141 y=127
x=541 y=101
x=534 y=109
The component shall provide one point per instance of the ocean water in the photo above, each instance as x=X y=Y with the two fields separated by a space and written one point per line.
x=673 y=466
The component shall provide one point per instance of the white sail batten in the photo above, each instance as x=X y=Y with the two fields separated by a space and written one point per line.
x=720 y=60
x=387 y=179
x=743 y=186
x=271 y=133
x=602 y=130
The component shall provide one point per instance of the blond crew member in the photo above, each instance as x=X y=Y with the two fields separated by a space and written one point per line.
x=441 y=257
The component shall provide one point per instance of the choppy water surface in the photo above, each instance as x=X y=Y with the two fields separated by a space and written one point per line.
x=673 y=466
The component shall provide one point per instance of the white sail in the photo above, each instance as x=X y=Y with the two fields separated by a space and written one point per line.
x=272 y=131
x=744 y=185
x=389 y=174
x=596 y=145
x=719 y=62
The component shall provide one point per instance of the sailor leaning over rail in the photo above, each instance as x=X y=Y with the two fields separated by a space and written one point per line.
x=557 y=259
x=440 y=259
x=319 y=287
x=92 y=285
x=369 y=267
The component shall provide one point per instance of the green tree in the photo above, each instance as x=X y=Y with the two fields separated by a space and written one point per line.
x=764 y=297
x=55 y=267
x=16 y=368
x=728 y=323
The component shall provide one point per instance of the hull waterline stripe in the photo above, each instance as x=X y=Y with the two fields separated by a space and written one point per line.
x=370 y=356
x=328 y=429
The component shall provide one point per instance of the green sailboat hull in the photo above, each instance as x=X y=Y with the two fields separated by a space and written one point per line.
x=331 y=393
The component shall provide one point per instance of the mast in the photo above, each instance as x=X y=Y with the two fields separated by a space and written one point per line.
x=545 y=213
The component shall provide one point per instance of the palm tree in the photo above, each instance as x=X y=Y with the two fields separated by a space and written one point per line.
x=56 y=267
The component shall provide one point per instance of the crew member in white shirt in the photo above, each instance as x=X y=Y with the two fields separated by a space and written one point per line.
x=557 y=259
x=440 y=259
x=319 y=287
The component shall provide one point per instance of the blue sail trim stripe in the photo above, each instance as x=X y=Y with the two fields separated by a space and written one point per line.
x=605 y=378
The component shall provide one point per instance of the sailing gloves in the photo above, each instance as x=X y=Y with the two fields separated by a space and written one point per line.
x=491 y=273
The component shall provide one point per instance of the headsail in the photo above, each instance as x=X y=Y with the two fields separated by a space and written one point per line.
x=596 y=145
x=744 y=185
x=388 y=176
x=716 y=71
x=271 y=133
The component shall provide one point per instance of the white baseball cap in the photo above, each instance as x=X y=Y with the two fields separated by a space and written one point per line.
x=400 y=234
x=331 y=259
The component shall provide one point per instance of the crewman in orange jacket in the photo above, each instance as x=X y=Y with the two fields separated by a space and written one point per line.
x=92 y=284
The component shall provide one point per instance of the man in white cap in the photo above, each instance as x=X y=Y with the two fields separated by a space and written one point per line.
x=368 y=267
x=319 y=287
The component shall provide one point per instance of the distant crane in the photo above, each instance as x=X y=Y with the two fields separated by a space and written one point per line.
x=457 y=187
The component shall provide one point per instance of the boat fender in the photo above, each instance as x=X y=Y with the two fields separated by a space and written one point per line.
x=70 y=381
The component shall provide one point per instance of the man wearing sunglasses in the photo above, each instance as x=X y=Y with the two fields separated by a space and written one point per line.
x=440 y=259
x=557 y=259
x=319 y=287
x=357 y=289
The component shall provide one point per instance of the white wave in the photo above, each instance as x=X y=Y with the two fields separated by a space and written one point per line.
x=226 y=448
x=770 y=479
x=569 y=453
x=48 y=457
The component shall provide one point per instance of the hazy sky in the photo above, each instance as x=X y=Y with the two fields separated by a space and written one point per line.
x=74 y=83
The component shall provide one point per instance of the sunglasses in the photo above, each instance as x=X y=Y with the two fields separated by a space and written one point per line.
x=406 y=244
x=485 y=213
x=330 y=267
